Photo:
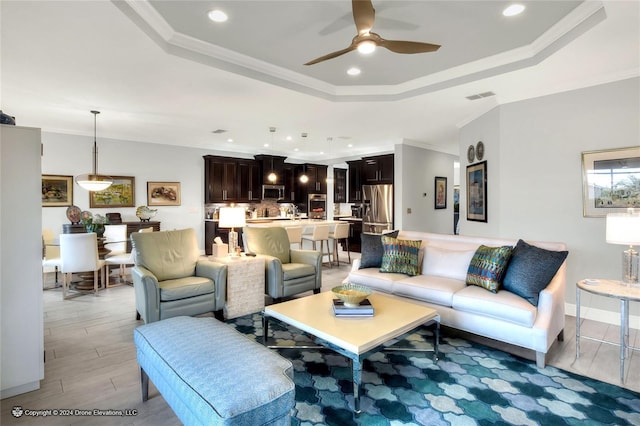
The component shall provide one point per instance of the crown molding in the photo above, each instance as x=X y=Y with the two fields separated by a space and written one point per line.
x=579 y=20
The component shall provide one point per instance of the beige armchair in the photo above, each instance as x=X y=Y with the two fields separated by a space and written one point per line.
x=170 y=278
x=287 y=271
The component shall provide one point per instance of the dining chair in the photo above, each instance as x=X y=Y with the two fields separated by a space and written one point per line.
x=79 y=253
x=122 y=260
x=340 y=232
x=295 y=235
x=50 y=254
x=115 y=239
x=320 y=233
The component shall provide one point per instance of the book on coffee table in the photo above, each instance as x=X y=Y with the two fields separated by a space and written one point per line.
x=363 y=309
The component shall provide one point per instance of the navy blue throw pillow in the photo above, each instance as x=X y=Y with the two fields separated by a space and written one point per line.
x=371 y=250
x=531 y=269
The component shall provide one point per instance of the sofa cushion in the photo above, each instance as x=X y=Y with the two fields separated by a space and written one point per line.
x=371 y=249
x=443 y=262
x=428 y=288
x=183 y=288
x=400 y=256
x=531 y=269
x=502 y=305
x=371 y=277
x=488 y=266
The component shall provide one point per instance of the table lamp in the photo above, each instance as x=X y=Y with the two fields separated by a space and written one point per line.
x=232 y=217
x=624 y=228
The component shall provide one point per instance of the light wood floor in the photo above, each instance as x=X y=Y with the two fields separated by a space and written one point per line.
x=91 y=360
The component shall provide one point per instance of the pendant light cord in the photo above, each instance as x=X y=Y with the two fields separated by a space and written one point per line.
x=95 y=142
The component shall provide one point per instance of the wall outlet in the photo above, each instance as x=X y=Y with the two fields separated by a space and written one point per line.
x=409 y=210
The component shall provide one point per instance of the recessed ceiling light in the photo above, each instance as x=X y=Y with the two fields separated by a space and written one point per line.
x=229 y=140
x=296 y=149
x=266 y=145
x=353 y=71
x=289 y=138
x=218 y=16
x=513 y=10
x=350 y=145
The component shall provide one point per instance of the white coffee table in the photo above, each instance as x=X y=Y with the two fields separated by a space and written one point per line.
x=355 y=338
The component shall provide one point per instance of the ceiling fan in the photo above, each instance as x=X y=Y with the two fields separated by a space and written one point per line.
x=366 y=41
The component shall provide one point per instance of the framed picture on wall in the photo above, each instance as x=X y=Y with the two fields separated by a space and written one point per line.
x=163 y=193
x=610 y=181
x=477 y=192
x=57 y=191
x=120 y=194
x=440 y=191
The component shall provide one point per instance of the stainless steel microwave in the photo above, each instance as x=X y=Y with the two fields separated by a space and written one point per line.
x=273 y=192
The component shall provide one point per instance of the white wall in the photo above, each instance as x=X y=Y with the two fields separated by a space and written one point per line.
x=533 y=149
x=71 y=155
x=21 y=322
x=414 y=174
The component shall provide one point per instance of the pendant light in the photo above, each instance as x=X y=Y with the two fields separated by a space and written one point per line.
x=93 y=181
x=272 y=176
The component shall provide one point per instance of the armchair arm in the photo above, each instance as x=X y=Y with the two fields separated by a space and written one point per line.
x=147 y=294
x=311 y=257
x=218 y=273
x=273 y=274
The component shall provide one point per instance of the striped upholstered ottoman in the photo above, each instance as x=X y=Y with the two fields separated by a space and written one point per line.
x=212 y=375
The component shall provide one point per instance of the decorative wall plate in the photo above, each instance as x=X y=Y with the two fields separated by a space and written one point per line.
x=471 y=154
x=480 y=151
x=73 y=214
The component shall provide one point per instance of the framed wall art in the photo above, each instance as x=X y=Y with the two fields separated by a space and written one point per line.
x=57 y=191
x=610 y=181
x=441 y=193
x=477 y=192
x=163 y=193
x=120 y=194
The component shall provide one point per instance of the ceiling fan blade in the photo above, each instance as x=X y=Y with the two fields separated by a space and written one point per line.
x=399 y=46
x=364 y=15
x=332 y=55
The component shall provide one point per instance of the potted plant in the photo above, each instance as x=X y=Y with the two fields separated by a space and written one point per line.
x=94 y=223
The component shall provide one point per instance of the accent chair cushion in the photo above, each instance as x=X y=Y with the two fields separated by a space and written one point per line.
x=488 y=266
x=531 y=270
x=272 y=241
x=372 y=250
x=401 y=256
x=168 y=255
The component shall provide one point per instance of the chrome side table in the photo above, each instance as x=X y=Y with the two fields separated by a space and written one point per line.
x=614 y=289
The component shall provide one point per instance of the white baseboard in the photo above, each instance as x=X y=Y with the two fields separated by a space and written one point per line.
x=600 y=315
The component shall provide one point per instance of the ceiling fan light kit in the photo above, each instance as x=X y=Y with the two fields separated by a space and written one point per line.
x=366 y=41
x=93 y=181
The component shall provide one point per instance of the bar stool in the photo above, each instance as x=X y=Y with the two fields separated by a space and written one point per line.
x=295 y=235
x=320 y=233
x=340 y=232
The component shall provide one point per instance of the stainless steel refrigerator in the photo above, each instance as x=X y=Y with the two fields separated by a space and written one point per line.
x=377 y=203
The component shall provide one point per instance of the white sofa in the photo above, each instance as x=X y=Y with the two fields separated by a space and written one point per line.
x=502 y=316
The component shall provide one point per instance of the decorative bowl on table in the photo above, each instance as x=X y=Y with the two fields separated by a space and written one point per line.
x=351 y=294
x=144 y=213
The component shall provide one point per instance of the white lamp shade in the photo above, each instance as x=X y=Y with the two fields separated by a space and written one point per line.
x=232 y=217
x=623 y=228
x=92 y=182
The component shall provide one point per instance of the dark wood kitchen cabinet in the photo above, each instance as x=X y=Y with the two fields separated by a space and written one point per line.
x=339 y=185
x=228 y=179
x=269 y=164
x=220 y=179
x=249 y=181
x=355 y=181
x=317 y=174
x=377 y=170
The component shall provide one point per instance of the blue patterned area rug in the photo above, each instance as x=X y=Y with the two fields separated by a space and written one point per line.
x=470 y=385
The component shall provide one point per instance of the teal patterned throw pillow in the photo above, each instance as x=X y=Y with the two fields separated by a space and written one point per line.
x=488 y=267
x=400 y=256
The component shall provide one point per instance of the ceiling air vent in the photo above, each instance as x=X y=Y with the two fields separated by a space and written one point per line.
x=480 y=96
x=219 y=131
